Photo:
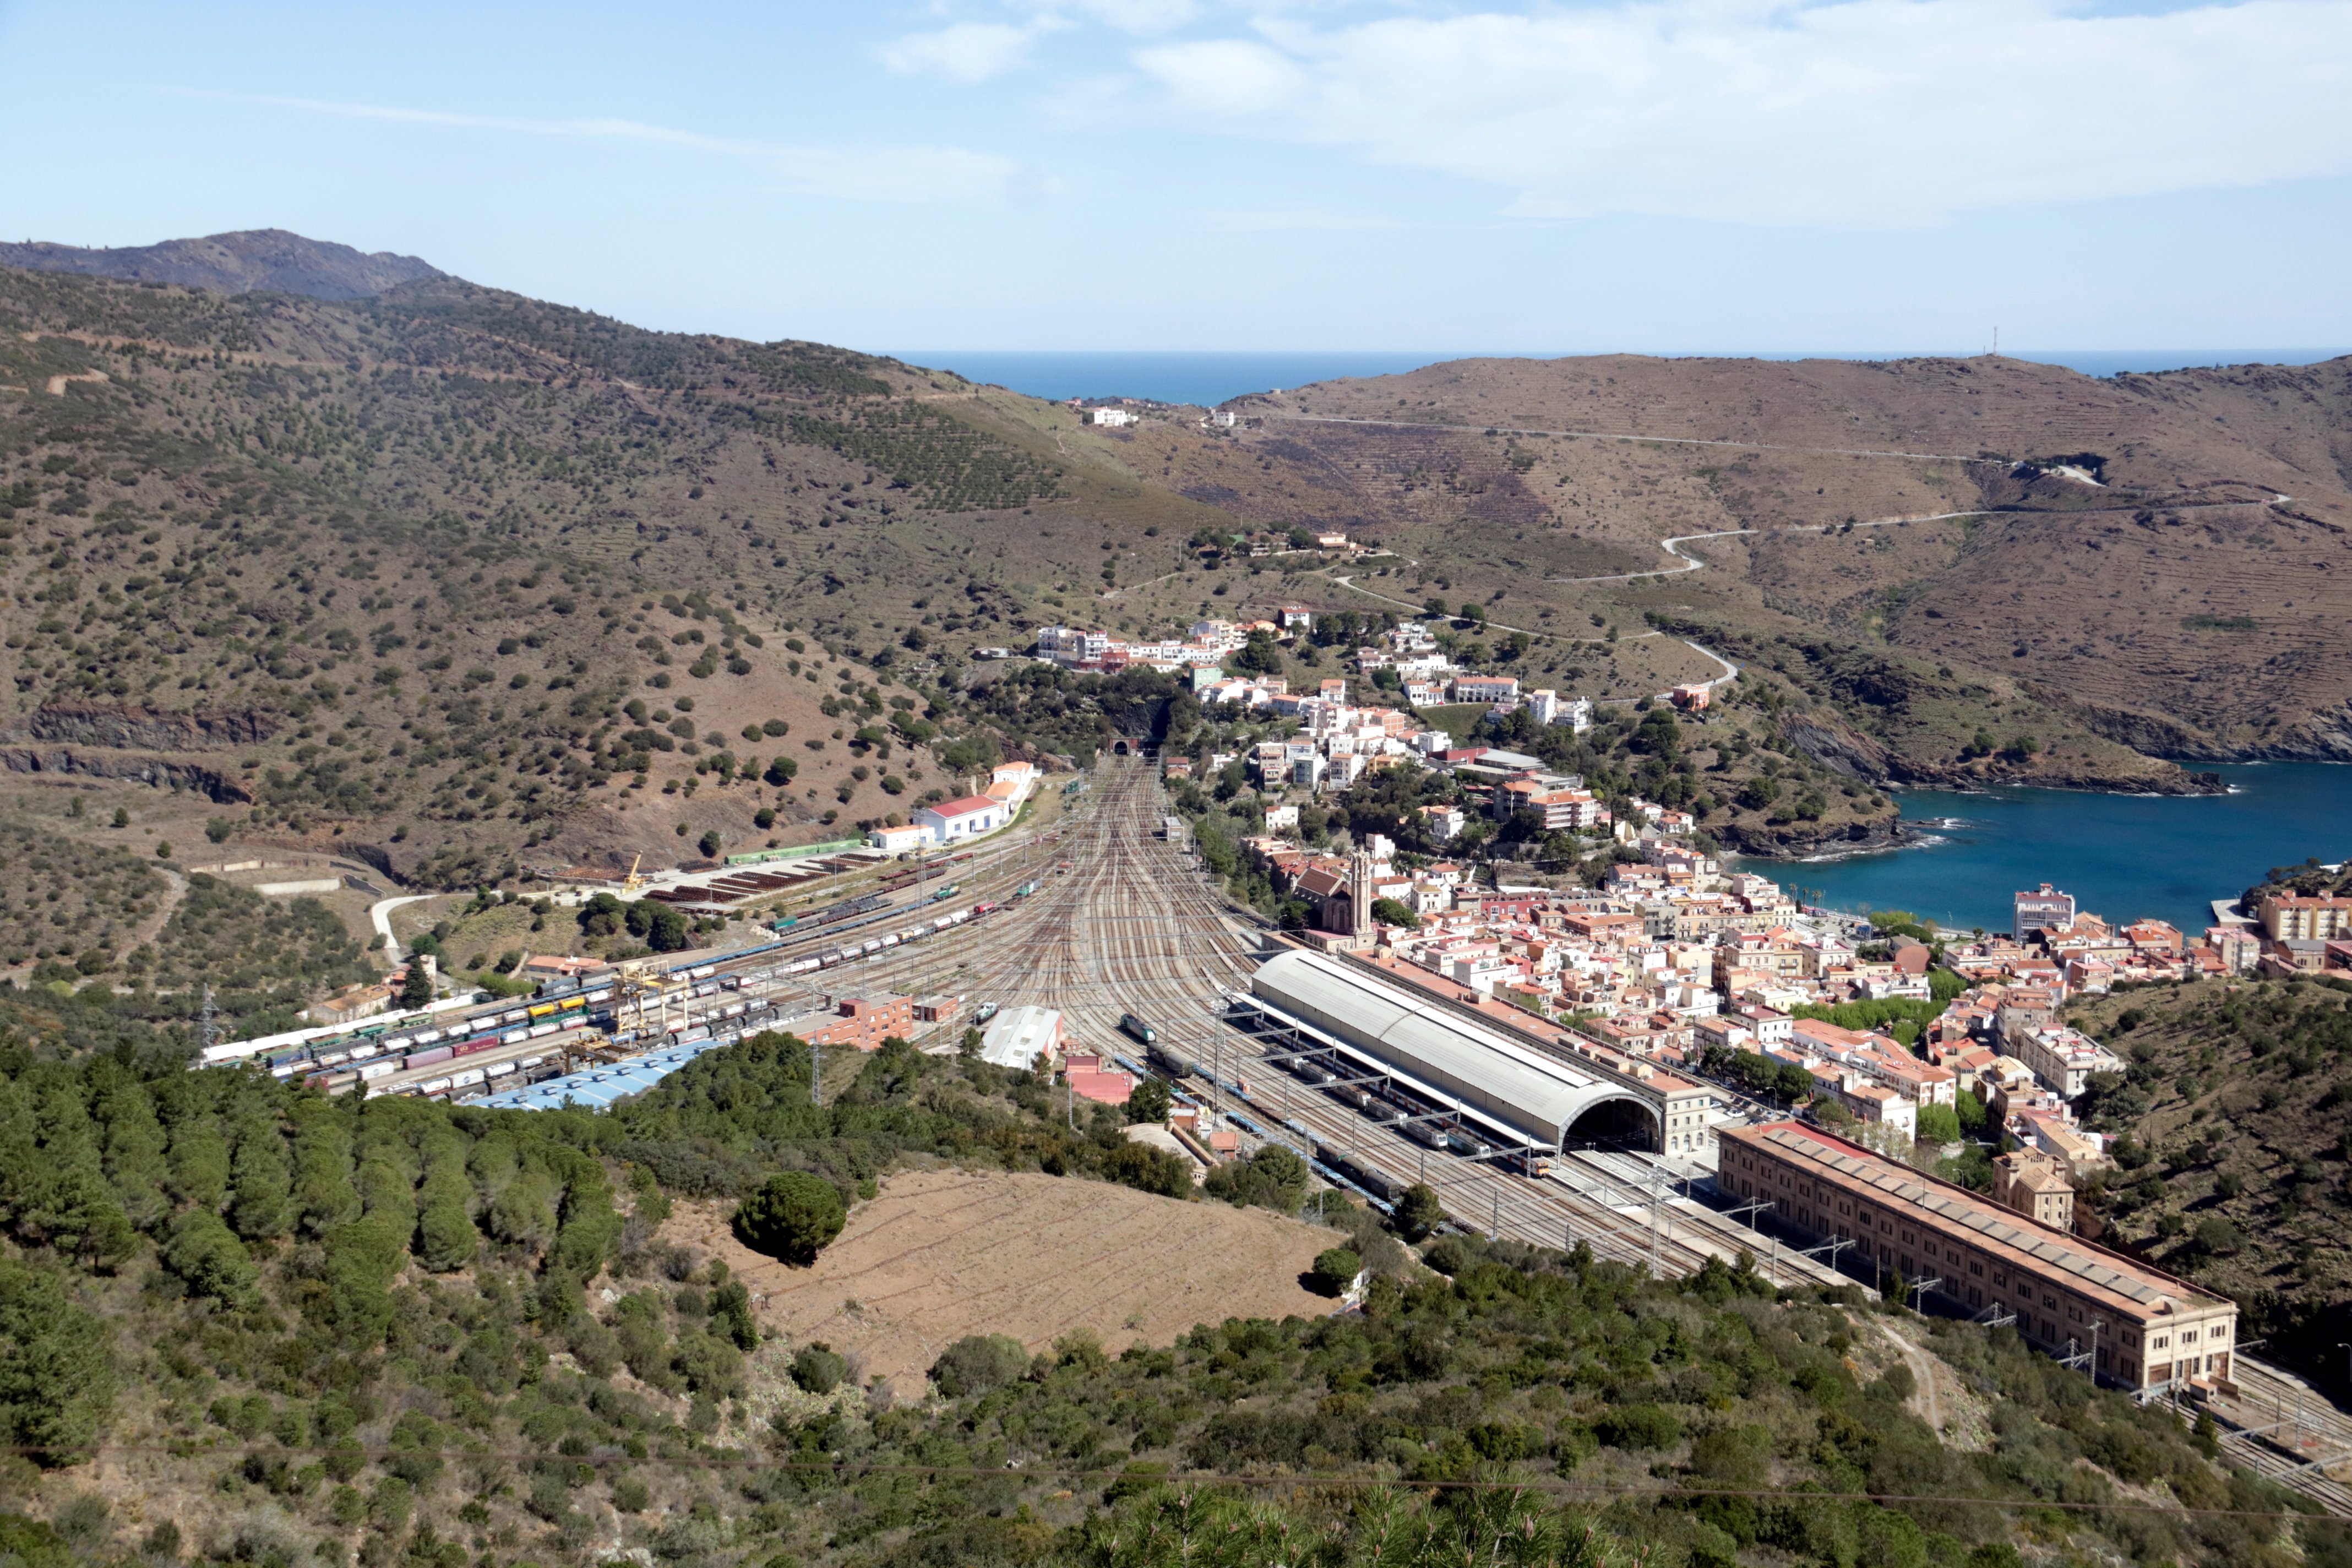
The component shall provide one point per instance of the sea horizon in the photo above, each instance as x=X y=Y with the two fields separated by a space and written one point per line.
x=1206 y=378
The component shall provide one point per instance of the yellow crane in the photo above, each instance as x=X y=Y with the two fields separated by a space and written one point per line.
x=631 y=882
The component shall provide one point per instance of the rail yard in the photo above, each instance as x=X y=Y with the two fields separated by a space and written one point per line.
x=1107 y=918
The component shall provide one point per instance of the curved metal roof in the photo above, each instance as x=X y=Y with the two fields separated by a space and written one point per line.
x=1510 y=1082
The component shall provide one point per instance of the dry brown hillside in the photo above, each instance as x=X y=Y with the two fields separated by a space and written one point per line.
x=2160 y=557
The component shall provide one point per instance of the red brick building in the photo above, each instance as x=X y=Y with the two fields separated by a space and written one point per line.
x=865 y=1022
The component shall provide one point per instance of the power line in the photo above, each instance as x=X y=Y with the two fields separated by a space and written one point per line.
x=847 y=1470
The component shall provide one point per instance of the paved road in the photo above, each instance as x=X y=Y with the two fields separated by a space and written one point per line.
x=380 y=915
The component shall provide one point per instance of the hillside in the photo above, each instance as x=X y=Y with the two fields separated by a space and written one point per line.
x=376 y=571
x=243 y=1323
x=2123 y=557
x=2235 y=1172
x=454 y=581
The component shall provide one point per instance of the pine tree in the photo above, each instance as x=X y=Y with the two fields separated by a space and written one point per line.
x=56 y=1378
x=261 y=1185
x=200 y=1167
x=134 y=1154
x=445 y=1237
x=324 y=1196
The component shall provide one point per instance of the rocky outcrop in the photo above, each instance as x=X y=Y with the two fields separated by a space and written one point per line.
x=1807 y=840
x=1842 y=749
x=164 y=773
x=2324 y=737
x=2152 y=734
x=141 y=729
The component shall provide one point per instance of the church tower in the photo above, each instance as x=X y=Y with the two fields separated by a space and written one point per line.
x=1360 y=895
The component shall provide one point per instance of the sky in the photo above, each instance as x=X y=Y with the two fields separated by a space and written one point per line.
x=1671 y=176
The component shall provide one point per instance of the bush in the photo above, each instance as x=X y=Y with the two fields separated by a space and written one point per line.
x=1419 y=1212
x=1639 y=1426
x=978 y=1362
x=1336 y=1268
x=817 y=1369
x=791 y=1218
x=1273 y=1178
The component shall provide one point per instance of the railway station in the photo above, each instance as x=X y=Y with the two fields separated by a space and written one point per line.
x=1363 y=1025
x=2132 y=1324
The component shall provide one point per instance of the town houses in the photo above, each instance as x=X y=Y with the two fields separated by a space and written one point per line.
x=1678 y=961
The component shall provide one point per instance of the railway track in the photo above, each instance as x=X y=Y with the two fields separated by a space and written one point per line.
x=2281 y=1427
x=1133 y=928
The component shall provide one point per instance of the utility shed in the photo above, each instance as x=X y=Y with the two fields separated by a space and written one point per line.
x=1020 y=1036
x=1504 y=1082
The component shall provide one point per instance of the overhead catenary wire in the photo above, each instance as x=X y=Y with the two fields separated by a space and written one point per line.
x=852 y=1469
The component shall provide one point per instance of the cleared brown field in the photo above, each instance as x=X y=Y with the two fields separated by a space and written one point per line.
x=942 y=1253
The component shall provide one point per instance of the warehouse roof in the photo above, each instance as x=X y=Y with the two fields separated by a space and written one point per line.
x=2001 y=1231
x=1019 y=1036
x=1482 y=1066
x=595 y=1089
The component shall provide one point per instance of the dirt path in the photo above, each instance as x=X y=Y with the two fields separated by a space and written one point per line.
x=57 y=384
x=943 y=1253
x=152 y=926
x=1926 y=1400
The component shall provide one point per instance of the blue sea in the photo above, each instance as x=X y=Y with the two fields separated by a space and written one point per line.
x=2122 y=857
x=1208 y=379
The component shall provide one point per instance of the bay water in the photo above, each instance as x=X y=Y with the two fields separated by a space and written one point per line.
x=2123 y=856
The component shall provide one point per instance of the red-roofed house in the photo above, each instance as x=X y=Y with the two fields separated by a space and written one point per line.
x=967 y=817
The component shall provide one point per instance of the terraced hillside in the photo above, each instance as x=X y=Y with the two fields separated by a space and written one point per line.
x=2159 y=555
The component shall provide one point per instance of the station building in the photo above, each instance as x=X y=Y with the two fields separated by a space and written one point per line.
x=1489 y=1065
x=2147 y=1330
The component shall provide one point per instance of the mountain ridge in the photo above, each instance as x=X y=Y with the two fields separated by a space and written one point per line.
x=241 y=262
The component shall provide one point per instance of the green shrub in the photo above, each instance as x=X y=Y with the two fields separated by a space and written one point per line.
x=818 y=1370
x=1336 y=1268
x=1638 y=1427
x=979 y=1362
x=793 y=1216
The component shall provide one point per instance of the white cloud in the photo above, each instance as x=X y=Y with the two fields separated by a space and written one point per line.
x=1856 y=113
x=857 y=174
x=966 y=52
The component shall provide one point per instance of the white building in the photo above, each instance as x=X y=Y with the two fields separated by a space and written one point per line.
x=2064 y=1058
x=1550 y=708
x=1443 y=822
x=1485 y=689
x=1022 y=1037
x=1109 y=417
x=897 y=840
x=953 y=821
x=1071 y=647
